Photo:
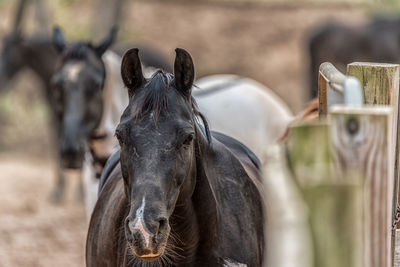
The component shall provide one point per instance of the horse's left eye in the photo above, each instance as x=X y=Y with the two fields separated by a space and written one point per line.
x=118 y=136
x=188 y=140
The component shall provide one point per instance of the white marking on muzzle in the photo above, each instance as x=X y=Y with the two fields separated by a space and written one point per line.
x=139 y=223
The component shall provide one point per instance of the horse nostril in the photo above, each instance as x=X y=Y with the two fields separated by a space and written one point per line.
x=162 y=224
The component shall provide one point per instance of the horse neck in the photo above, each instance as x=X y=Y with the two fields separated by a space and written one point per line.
x=40 y=57
x=204 y=203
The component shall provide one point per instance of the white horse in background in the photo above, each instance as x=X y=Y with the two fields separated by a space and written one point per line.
x=243 y=109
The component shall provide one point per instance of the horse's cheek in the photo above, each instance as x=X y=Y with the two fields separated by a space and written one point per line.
x=127 y=182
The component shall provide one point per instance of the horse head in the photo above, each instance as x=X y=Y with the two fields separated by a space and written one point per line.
x=157 y=134
x=78 y=93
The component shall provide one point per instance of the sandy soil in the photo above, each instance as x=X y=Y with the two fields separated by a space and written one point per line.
x=34 y=232
x=265 y=43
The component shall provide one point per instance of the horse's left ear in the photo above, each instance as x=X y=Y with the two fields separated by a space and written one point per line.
x=107 y=42
x=183 y=72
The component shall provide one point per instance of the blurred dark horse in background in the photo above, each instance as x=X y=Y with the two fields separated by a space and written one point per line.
x=181 y=196
x=39 y=55
x=84 y=74
x=377 y=41
x=89 y=100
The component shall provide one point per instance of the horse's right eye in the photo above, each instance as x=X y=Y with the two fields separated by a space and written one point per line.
x=188 y=140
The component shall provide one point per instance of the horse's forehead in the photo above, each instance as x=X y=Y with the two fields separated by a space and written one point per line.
x=147 y=125
x=72 y=70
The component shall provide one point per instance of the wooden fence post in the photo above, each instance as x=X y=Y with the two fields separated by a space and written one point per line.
x=288 y=232
x=361 y=140
x=334 y=202
x=380 y=83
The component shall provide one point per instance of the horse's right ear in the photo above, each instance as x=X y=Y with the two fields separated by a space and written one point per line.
x=183 y=72
x=131 y=70
x=58 y=39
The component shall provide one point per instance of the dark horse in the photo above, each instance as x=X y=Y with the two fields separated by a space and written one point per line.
x=377 y=41
x=78 y=83
x=39 y=55
x=180 y=196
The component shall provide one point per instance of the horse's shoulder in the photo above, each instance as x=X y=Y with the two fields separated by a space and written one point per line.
x=244 y=167
x=238 y=149
x=234 y=176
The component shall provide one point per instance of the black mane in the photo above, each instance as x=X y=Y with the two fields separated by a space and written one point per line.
x=153 y=98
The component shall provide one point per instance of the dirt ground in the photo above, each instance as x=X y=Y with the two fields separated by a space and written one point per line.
x=265 y=43
x=32 y=231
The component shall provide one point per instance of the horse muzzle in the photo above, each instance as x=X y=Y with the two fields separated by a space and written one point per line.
x=147 y=241
x=71 y=159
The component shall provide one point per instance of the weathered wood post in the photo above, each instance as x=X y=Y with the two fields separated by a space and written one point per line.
x=334 y=201
x=380 y=84
x=361 y=140
x=288 y=234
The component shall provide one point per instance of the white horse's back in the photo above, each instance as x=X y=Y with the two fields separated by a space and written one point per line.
x=244 y=109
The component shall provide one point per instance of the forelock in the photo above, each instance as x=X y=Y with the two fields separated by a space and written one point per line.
x=77 y=51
